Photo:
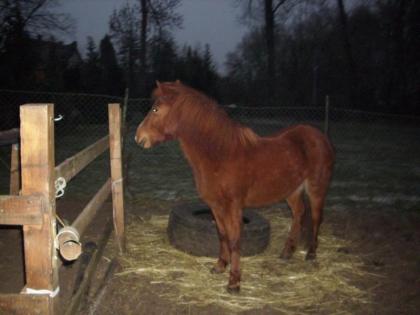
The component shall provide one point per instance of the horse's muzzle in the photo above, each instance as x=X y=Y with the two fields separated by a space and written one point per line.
x=142 y=141
x=139 y=141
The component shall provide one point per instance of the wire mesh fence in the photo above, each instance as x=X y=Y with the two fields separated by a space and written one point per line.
x=82 y=117
x=377 y=154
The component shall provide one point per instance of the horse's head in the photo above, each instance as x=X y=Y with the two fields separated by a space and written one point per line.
x=158 y=125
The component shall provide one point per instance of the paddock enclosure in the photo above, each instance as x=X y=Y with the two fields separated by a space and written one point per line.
x=368 y=258
x=32 y=205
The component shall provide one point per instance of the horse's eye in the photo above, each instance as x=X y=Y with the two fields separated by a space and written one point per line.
x=154 y=109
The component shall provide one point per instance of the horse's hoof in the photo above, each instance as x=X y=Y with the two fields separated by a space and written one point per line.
x=310 y=256
x=217 y=270
x=233 y=289
x=286 y=255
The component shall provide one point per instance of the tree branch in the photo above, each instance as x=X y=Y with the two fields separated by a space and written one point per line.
x=34 y=10
x=278 y=5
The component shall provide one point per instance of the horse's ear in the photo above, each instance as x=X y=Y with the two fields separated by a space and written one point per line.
x=162 y=88
x=168 y=90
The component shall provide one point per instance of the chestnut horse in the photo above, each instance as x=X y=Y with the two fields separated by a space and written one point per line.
x=234 y=168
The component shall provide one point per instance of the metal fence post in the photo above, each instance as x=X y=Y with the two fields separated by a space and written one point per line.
x=125 y=108
x=126 y=156
x=327 y=113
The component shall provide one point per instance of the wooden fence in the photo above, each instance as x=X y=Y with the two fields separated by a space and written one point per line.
x=34 y=207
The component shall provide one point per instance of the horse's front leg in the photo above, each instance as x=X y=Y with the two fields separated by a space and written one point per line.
x=233 y=228
x=224 y=252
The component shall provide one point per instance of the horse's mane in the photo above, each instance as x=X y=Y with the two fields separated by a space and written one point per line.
x=202 y=122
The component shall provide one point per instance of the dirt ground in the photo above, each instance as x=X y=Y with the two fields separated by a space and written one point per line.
x=387 y=242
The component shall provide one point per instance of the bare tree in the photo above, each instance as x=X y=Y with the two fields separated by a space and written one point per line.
x=157 y=16
x=353 y=79
x=124 y=25
x=270 y=9
x=253 y=10
x=132 y=27
x=144 y=8
x=20 y=22
x=32 y=17
x=345 y=34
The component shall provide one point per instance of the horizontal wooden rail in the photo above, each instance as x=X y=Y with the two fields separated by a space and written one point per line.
x=10 y=136
x=21 y=210
x=23 y=304
x=73 y=165
x=74 y=304
x=88 y=213
x=90 y=210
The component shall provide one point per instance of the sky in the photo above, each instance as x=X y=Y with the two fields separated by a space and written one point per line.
x=205 y=21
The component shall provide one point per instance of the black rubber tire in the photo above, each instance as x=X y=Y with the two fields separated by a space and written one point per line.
x=191 y=228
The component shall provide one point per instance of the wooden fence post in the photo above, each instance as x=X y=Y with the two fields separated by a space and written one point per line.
x=114 y=112
x=38 y=175
x=15 y=170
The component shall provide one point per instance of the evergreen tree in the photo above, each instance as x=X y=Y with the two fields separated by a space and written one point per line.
x=92 y=71
x=112 y=79
x=163 y=58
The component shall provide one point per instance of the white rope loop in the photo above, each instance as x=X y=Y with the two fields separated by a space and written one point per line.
x=116 y=182
x=60 y=185
x=60 y=117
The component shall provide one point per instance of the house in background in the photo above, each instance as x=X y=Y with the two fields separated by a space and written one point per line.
x=57 y=65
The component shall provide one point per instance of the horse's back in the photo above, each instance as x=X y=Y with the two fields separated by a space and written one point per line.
x=311 y=145
x=318 y=153
x=310 y=139
x=281 y=163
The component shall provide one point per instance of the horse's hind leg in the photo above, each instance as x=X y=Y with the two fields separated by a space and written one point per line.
x=233 y=220
x=316 y=196
x=316 y=186
x=296 y=204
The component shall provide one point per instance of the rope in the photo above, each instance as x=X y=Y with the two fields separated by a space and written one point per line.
x=60 y=220
x=60 y=184
x=60 y=117
x=115 y=182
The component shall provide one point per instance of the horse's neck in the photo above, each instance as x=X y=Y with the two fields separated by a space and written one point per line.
x=213 y=141
x=193 y=153
x=205 y=144
x=201 y=161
